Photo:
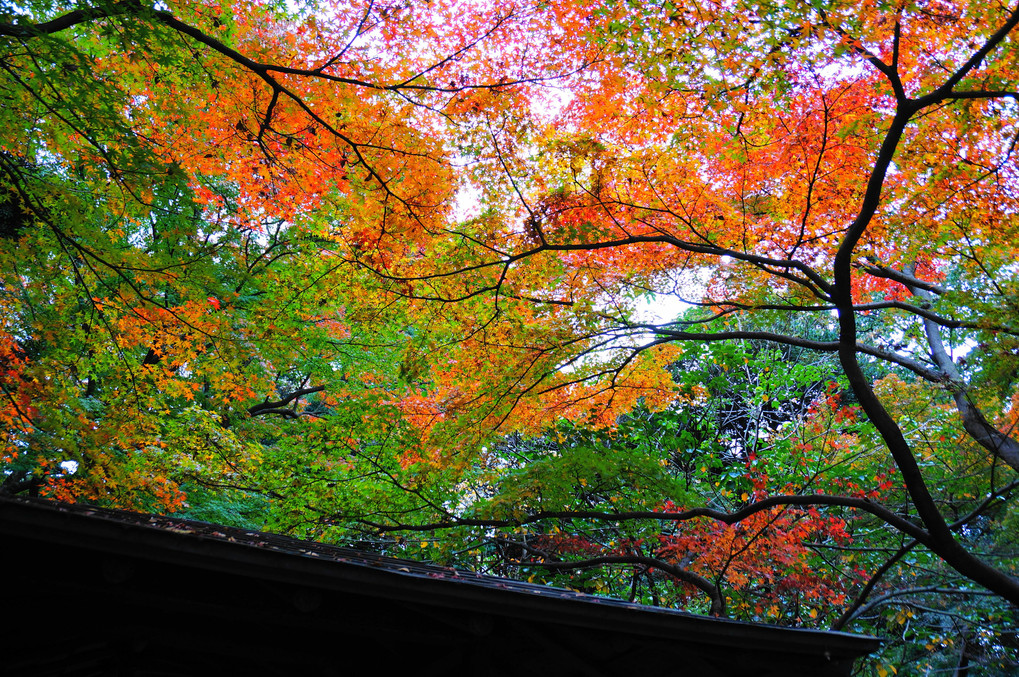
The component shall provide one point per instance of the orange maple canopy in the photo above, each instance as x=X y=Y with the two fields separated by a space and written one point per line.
x=376 y=270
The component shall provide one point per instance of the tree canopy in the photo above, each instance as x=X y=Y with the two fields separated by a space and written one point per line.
x=706 y=304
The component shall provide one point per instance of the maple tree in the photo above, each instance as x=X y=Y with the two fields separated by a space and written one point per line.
x=377 y=271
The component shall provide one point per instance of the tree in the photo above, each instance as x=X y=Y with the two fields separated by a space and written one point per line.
x=381 y=267
x=184 y=188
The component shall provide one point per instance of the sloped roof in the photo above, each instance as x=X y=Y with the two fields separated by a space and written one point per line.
x=178 y=596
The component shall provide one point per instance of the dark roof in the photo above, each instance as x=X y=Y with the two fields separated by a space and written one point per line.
x=226 y=599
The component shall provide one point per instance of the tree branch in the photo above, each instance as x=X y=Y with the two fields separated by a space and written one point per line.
x=973 y=420
x=72 y=18
x=865 y=505
x=901 y=277
x=694 y=579
x=276 y=407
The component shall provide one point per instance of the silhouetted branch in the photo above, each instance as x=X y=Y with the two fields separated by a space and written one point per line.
x=277 y=407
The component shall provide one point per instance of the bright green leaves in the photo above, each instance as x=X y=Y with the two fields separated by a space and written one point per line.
x=571 y=468
x=360 y=465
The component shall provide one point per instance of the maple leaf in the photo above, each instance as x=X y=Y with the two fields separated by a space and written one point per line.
x=383 y=269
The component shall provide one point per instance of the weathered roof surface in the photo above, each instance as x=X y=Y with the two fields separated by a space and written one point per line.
x=207 y=592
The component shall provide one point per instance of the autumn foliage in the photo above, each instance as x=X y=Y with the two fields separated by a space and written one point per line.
x=706 y=304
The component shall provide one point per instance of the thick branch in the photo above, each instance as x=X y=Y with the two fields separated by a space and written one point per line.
x=942 y=541
x=854 y=612
x=888 y=516
x=694 y=579
x=821 y=346
x=902 y=277
x=73 y=18
x=973 y=420
x=277 y=407
x=945 y=90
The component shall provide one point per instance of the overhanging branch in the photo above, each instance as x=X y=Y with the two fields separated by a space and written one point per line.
x=278 y=407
